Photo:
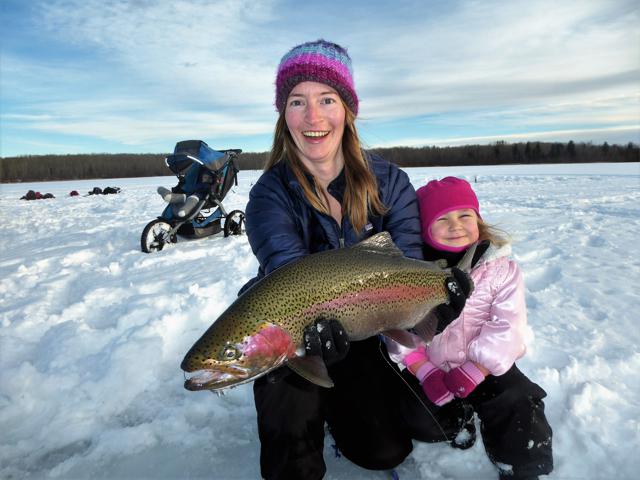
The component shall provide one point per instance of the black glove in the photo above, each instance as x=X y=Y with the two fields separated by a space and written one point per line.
x=459 y=288
x=327 y=338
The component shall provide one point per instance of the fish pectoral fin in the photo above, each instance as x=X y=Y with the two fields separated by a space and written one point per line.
x=404 y=338
x=312 y=368
x=426 y=328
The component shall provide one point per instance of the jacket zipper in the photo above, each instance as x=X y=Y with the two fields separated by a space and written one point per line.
x=339 y=229
x=340 y=233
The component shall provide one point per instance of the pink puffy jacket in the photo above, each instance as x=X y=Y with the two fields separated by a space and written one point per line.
x=491 y=328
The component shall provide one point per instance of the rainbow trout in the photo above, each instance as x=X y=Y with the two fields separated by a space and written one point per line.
x=370 y=288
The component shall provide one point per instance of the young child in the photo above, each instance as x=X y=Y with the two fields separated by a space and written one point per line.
x=473 y=357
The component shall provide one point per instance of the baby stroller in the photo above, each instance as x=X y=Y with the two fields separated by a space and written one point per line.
x=204 y=178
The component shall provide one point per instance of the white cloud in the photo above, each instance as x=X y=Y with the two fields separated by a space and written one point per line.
x=214 y=50
x=142 y=129
x=619 y=134
x=137 y=71
x=498 y=54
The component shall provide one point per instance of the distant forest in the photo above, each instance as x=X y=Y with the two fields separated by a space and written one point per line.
x=102 y=165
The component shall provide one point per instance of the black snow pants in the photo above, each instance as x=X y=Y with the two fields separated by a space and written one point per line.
x=514 y=429
x=373 y=413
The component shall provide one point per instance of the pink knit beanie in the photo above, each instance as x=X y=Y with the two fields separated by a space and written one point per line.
x=319 y=61
x=439 y=197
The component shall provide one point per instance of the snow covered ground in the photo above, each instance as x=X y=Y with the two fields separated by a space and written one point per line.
x=92 y=331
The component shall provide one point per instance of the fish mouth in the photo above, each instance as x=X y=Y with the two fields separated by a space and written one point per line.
x=220 y=378
x=256 y=355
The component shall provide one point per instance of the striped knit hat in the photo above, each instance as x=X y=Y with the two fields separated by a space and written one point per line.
x=318 y=61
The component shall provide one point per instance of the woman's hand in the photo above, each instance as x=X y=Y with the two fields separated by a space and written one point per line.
x=459 y=287
x=328 y=339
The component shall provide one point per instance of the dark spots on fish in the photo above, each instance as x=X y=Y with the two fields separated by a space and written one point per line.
x=285 y=295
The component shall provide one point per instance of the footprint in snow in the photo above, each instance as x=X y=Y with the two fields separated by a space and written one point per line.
x=541 y=278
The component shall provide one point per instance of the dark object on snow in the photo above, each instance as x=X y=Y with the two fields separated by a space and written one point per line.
x=31 y=195
x=205 y=176
x=106 y=191
x=73 y=193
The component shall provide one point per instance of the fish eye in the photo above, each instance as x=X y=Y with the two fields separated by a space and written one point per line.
x=230 y=353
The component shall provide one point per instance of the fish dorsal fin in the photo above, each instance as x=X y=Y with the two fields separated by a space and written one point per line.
x=379 y=243
x=312 y=368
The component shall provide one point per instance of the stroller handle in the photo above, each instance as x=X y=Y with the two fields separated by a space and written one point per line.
x=232 y=151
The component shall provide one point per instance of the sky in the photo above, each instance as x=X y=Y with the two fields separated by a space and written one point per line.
x=92 y=330
x=90 y=76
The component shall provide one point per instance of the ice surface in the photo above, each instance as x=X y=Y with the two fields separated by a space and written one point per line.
x=92 y=331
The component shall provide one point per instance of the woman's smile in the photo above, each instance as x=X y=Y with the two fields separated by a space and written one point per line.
x=312 y=134
x=315 y=117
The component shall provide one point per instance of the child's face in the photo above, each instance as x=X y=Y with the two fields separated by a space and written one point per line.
x=458 y=228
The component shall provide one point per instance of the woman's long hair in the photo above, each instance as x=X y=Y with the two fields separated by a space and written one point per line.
x=361 y=192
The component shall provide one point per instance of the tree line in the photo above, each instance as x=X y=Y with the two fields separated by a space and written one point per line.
x=36 y=168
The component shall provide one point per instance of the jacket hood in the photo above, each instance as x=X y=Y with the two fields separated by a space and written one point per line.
x=494 y=252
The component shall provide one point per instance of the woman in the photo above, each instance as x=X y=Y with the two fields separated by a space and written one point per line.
x=320 y=191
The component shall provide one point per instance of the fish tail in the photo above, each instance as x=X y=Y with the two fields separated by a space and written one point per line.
x=466 y=261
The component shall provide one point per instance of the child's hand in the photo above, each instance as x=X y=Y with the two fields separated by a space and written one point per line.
x=429 y=375
x=415 y=359
x=431 y=378
x=463 y=380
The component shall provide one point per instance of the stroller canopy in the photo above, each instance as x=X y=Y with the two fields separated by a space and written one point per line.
x=190 y=151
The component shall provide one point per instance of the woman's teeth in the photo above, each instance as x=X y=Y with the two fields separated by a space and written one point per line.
x=315 y=134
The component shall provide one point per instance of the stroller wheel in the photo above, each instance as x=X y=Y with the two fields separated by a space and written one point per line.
x=156 y=235
x=234 y=223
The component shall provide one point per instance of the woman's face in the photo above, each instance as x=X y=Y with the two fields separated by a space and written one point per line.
x=315 y=117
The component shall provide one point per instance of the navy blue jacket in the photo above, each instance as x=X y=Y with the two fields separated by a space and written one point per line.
x=282 y=226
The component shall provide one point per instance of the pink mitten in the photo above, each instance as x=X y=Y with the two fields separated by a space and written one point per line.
x=417 y=355
x=462 y=380
x=431 y=378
